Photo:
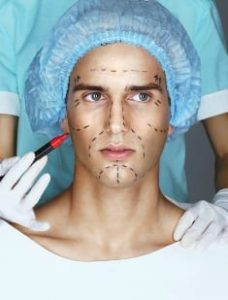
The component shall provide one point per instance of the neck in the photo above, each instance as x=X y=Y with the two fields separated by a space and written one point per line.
x=113 y=216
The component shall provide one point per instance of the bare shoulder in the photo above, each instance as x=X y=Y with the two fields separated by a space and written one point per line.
x=54 y=212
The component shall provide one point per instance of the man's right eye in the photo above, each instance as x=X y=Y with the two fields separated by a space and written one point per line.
x=94 y=97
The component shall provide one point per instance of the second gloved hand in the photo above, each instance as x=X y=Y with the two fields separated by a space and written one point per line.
x=203 y=223
x=18 y=196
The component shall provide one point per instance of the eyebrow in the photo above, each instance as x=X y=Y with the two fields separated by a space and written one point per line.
x=83 y=87
x=149 y=86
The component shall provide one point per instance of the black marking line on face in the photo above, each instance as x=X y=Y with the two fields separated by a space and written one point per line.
x=158 y=79
x=93 y=140
x=144 y=152
x=110 y=115
x=118 y=167
x=117 y=175
x=140 y=140
x=115 y=71
x=77 y=79
x=101 y=172
x=77 y=102
x=124 y=125
x=80 y=129
x=157 y=130
x=157 y=103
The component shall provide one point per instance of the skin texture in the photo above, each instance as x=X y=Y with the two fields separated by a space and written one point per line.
x=114 y=208
x=7 y=137
x=217 y=128
x=119 y=111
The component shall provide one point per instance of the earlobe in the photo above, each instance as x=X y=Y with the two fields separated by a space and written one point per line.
x=65 y=125
x=170 y=130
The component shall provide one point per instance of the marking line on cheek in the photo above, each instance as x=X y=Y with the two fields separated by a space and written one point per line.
x=140 y=140
x=101 y=172
x=79 y=129
x=77 y=102
x=110 y=115
x=93 y=140
x=158 y=103
x=123 y=116
x=158 y=130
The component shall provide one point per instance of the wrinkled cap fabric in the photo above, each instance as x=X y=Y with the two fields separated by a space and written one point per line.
x=92 y=23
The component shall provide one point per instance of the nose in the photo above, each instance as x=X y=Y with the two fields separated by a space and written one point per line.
x=116 y=118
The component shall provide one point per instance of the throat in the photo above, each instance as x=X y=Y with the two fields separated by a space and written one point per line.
x=94 y=237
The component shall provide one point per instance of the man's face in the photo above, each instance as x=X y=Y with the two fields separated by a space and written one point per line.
x=117 y=113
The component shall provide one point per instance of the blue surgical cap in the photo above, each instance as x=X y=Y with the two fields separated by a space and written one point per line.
x=89 y=24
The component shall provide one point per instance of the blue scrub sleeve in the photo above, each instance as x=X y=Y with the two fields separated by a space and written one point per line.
x=9 y=100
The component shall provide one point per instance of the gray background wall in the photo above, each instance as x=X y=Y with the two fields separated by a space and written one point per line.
x=200 y=158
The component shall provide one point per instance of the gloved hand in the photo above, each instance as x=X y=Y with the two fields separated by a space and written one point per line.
x=204 y=223
x=17 y=196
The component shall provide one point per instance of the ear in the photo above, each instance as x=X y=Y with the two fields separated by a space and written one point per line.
x=170 y=130
x=65 y=125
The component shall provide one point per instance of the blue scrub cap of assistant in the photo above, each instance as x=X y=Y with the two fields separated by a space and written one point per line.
x=92 y=23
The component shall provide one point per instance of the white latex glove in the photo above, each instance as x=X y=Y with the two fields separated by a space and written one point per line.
x=17 y=195
x=204 y=223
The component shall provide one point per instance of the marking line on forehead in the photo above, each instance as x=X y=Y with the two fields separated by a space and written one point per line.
x=77 y=79
x=158 y=79
x=114 y=71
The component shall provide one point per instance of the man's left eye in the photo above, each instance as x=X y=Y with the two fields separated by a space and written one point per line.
x=141 y=97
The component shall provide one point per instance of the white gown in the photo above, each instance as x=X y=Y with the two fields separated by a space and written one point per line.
x=30 y=272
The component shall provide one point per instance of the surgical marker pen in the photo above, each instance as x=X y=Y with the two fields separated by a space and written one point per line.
x=47 y=148
x=50 y=146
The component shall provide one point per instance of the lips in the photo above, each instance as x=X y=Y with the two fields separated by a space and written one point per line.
x=115 y=152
